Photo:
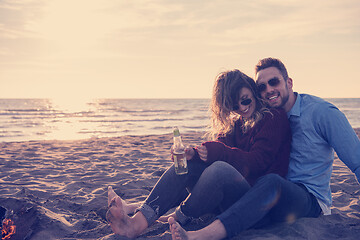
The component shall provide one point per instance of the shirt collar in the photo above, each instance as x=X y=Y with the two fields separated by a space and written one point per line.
x=295 y=110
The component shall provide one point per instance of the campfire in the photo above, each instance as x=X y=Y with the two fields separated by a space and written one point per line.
x=8 y=229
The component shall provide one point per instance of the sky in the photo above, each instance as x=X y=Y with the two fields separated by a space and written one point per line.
x=74 y=49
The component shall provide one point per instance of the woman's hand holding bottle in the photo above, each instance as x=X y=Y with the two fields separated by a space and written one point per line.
x=190 y=152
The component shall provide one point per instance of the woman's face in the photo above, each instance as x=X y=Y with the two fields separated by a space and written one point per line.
x=246 y=103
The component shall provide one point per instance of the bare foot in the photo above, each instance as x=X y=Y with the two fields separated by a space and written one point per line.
x=177 y=232
x=129 y=208
x=214 y=231
x=165 y=219
x=111 y=195
x=119 y=221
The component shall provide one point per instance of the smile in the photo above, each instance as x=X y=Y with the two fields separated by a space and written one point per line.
x=273 y=97
x=245 y=111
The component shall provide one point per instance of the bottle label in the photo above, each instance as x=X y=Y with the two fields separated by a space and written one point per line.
x=180 y=163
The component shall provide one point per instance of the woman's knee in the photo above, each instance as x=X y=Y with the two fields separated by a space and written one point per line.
x=221 y=170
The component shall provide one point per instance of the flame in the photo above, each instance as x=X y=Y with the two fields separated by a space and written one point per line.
x=8 y=229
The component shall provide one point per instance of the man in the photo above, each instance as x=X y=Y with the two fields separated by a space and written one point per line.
x=318 y=128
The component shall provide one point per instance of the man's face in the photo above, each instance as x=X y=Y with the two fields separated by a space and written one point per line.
x=273 y=88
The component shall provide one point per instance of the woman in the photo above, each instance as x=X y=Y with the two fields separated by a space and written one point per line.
x=250 y=141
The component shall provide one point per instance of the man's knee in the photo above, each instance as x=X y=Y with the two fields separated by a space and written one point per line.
x=271 y=179
x=272 y=186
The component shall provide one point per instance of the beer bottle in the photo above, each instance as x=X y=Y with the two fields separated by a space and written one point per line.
x=179 y=154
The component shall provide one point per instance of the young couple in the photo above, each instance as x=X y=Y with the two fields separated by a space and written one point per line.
x=249 y=176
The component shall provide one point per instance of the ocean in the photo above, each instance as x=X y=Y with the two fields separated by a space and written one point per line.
x=51 y=119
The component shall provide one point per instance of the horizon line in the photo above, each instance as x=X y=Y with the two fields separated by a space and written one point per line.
x=129 y=98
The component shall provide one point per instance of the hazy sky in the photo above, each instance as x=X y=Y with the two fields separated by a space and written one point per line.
x=173 y=49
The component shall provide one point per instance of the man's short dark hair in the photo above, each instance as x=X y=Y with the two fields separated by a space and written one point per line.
x=272 y=62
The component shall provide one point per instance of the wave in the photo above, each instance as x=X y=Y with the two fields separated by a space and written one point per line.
x=39 y=119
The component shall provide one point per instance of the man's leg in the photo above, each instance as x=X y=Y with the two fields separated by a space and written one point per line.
x=273 y=195
x=214 y=231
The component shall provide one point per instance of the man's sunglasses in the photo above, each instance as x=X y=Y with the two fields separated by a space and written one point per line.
x=272 y=82
x=244 y=102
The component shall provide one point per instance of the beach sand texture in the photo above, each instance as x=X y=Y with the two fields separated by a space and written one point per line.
x=58 y=189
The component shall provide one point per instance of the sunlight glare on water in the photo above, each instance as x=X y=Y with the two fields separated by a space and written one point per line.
x=70 y=117
x=69 y=113
x=71 y=104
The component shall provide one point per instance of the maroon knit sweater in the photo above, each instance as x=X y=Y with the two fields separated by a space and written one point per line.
x=264 y=149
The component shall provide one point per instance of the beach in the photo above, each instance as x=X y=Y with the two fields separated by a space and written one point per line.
x=57 y=189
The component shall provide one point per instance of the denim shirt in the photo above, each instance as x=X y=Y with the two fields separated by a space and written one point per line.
x=318 y=127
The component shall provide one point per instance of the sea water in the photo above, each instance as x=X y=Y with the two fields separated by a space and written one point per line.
x=47 y=119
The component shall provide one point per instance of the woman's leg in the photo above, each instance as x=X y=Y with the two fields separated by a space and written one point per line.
x=166 y=193
x=129 y=208
x=220 y=185
x=119 y=220
x=170 y=189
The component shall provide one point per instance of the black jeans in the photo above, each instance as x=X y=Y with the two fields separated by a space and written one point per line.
x=211 y=187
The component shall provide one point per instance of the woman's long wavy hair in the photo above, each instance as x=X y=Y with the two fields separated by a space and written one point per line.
x=225 y=96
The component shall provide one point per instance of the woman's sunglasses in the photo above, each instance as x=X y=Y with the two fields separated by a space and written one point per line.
x=244 y=102
x=272 y=82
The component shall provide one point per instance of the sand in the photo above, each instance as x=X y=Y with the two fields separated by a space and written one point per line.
x=57 y=189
